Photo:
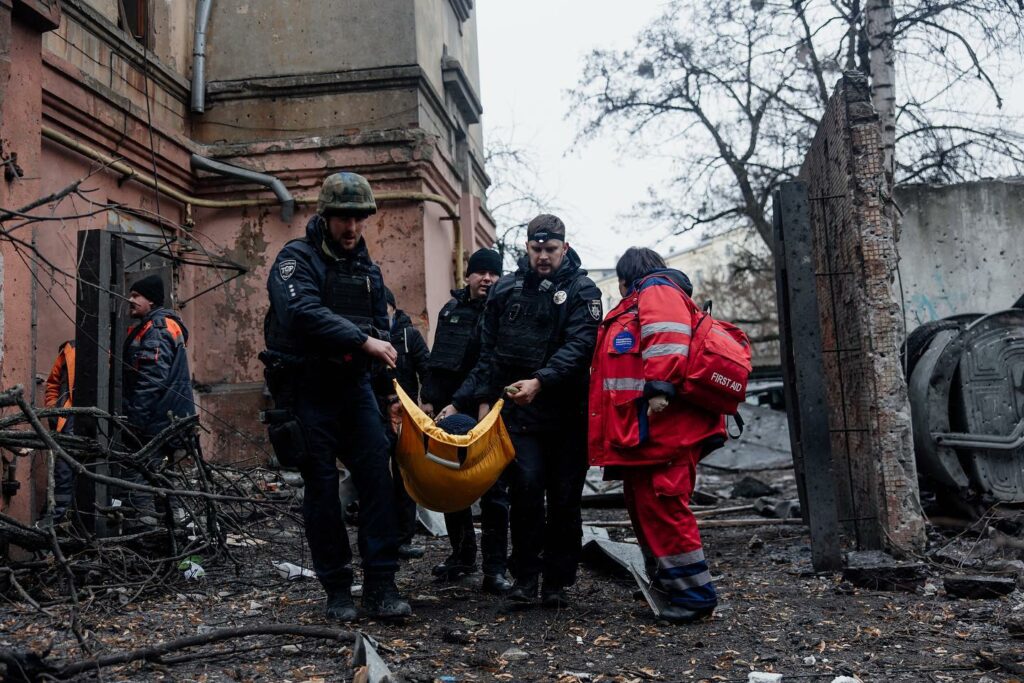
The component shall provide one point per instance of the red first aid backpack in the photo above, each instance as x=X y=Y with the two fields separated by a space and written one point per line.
x=718 y=366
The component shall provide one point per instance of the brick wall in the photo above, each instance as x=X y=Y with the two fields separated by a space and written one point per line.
x=862 y=327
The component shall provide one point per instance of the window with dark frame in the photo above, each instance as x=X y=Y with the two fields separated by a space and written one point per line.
x=135 y=18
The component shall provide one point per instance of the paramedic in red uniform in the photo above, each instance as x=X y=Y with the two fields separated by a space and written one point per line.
x=643 y=434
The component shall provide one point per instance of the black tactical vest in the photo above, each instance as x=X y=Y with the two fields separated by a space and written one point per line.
x=456 y=327
x=527 y=326
x=347 y=291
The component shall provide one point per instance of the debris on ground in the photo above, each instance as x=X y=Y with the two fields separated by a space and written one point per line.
x=777 y=508
x=752 y=487
x=248 y=619
x=978 y=587
x=877 y=570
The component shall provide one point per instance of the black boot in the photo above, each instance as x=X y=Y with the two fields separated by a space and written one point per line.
x=382 y=601
x=524 y=589
x=554 y=598
x=410 y=551
x=340 y=606
x=453 y=568
x=677 y=614
x=496 y=584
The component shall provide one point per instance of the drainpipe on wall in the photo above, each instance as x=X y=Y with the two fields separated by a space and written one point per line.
x=199 y=56
x=131 y=173
x=275 y=184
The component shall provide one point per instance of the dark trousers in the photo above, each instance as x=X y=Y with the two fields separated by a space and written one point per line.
x=341 y=421
x=548 y=467
x=63 y=479
x=494 y=508
x=63 y=486
x=144 y=502
x=405 y=506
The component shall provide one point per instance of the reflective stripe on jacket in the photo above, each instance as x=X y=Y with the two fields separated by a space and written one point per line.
x=642 y=351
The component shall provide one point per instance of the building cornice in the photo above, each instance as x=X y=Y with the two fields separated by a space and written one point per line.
x=43 y=15
x=404 y=77
x=306 y=85
x=457 y=84
x=462 y=9
x=410 y=137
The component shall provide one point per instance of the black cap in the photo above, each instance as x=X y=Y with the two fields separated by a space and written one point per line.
x=545 y=227
x=457 y=424
x=484 y=261
x=151 y=287
x=389 y=296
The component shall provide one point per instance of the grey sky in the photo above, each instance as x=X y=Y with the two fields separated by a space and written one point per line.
x=531 y=53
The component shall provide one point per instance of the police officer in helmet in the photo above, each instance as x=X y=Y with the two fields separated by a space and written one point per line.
x=537 y=339
x=324 y=331
x=456 y=350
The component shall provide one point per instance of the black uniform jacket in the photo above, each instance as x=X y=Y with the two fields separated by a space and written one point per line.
x=413 y=355
x=295 y=286
x=563 y=377
x=442 y=382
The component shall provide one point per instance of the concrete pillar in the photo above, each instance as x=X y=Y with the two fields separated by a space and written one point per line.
x=854 y=230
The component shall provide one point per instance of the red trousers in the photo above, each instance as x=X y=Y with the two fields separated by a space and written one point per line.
x=658 y=500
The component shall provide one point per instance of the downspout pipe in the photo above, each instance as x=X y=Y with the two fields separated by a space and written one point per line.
x=268 y=181
x=199 y=56
x=128 y=172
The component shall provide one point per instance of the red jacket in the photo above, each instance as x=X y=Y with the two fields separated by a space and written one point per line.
x=642 y=350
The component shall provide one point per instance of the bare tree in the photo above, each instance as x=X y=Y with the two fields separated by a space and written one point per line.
x=742 y=288
x=514 y=196
x=879 y=28
x=734 y=90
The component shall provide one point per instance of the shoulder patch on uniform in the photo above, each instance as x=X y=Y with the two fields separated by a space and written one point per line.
x=594 y=308
x=286 y=268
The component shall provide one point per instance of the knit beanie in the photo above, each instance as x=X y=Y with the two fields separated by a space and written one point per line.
x=151 y=287
x=457 y=424
x=484 y=260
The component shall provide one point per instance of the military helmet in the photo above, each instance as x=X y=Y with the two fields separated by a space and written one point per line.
x=345 y=192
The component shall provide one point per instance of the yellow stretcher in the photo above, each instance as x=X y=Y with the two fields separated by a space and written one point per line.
x=448 y=472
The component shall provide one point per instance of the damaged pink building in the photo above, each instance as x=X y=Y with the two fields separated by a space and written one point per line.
x=207 y=127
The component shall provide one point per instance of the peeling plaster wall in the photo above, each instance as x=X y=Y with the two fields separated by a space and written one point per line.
x=961 y=248
x=21 y=116
x=108 y=8
x=171 y=30
x=87 y=79
x=5 y=74
x=272 y=38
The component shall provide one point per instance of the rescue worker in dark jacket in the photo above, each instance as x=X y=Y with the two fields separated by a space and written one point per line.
x=538 y=335
x=157 y=383
x=410 y=369
x=413 y=354
x=60 y=389
x=456 y=350
x=326 y=326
